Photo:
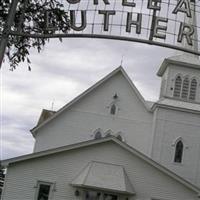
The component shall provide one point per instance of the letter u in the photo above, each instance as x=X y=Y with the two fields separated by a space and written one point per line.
x=73 y=20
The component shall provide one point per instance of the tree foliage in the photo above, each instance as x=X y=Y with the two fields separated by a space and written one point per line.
x=36 y=17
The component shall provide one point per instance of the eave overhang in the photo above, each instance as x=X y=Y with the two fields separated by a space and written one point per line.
x=182 y=60
x=178 y=107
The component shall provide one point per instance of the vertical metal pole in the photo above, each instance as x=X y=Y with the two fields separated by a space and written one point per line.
x=152 y=25
x=193 y=22
x=7 y=28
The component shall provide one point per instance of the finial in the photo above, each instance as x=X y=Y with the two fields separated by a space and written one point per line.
x=122 y=59
x=52 y=104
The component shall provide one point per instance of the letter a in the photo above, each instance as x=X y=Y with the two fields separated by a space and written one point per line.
x=183 y=6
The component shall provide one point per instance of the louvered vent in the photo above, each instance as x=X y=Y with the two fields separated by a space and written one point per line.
x=177 y=89
x=185 y=89
x=193 y=89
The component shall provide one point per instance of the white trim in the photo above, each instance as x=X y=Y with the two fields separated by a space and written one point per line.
x=177 y=140
x=177 y=60
x=173 y=108
x=51 y=190
x=103 y=140
x=122 y=136
x=108 y=133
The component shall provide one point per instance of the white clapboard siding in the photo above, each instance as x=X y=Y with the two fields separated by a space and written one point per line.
x=62 y=168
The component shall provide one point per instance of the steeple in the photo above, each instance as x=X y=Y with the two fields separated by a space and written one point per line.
x=181 y=73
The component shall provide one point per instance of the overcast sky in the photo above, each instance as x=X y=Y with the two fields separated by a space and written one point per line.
x=64 y=70
x=60 y=73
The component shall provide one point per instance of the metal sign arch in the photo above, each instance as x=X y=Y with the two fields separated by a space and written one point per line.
x=173 y=24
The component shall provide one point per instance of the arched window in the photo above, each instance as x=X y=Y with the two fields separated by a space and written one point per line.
x=193 y=88
x=178 y=152
x=113 y=109
x=177 y=86
x=185 y=88
x=98 y=135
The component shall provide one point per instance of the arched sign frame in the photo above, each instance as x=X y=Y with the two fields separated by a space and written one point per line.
x=165 y=23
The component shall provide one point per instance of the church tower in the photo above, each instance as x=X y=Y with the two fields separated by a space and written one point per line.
x=176 y=128
x=180 y=73
x=180 y=78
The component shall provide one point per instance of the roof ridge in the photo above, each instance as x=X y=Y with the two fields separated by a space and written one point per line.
x=90 y=89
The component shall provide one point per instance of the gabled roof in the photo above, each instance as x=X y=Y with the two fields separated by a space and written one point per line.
x=184 y=60
x=104 y=176
x=99 y=83
x=100 y=141
x=45 y=114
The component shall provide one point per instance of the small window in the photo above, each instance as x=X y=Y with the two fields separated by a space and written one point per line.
x=44 y=190
x=98 y=135
x=113 y=109
x=178 y=152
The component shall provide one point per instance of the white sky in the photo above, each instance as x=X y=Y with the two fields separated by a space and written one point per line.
x=60 y=73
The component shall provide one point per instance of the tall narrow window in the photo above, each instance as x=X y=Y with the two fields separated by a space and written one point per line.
x=177 y=86
x=178 y=152
x=113 y=109
x=185 y=88
x=193 y=88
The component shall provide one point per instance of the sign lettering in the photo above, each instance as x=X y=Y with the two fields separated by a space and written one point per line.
x=165 y=23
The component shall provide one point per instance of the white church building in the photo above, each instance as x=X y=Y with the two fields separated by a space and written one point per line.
x=109 y=143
